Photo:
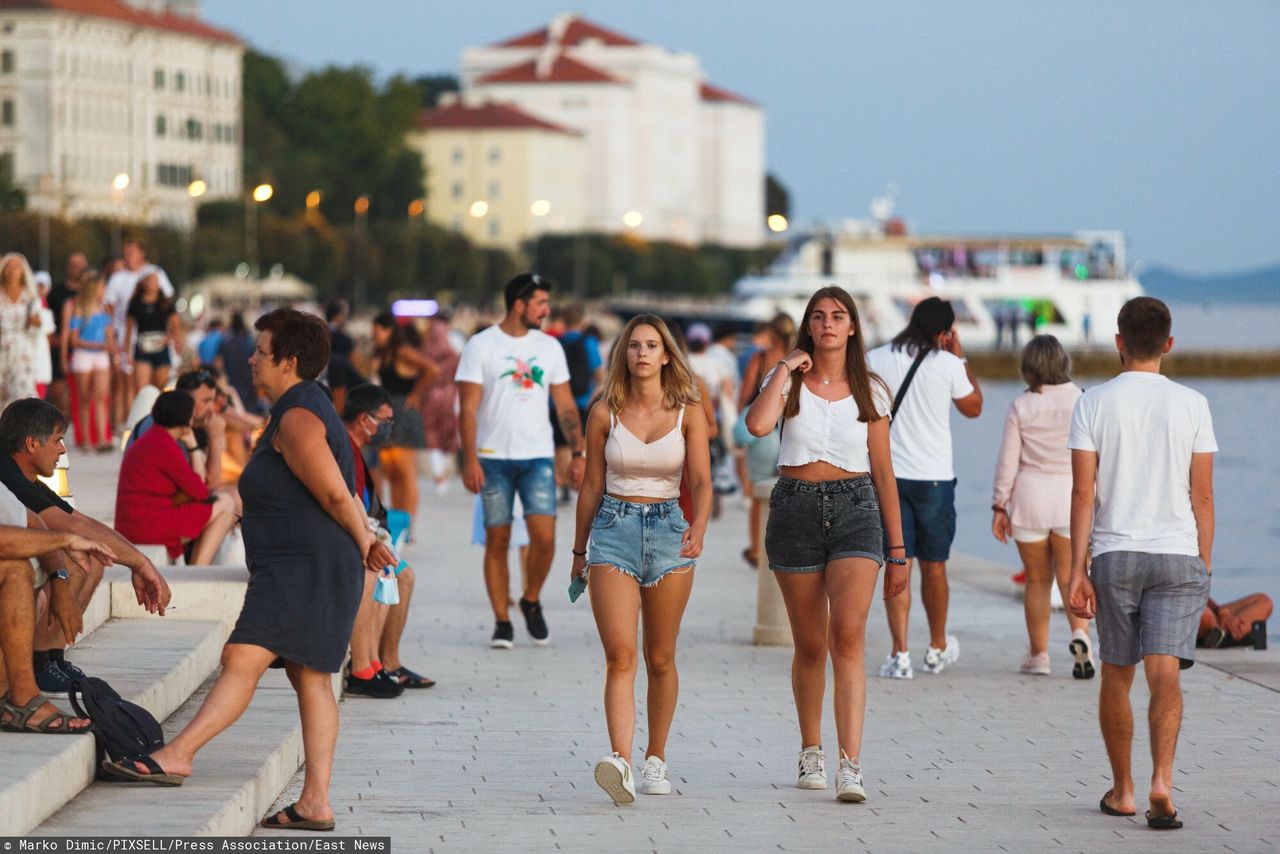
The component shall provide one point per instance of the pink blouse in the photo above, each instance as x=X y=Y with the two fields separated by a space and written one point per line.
x=1033 y=468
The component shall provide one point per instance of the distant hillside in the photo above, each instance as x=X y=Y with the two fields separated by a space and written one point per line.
x=1254 y=286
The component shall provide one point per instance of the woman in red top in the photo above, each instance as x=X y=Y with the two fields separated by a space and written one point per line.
x=160 y=499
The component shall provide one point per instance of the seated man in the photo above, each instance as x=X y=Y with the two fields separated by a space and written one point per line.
x=160 y=498
x=23 y=537
x=376 y=669
x=31 y=432
x=1232 y=624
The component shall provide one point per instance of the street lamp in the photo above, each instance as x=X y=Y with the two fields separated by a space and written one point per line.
x=197 y=188
x=417 y=208
x=260 y=194
x=632 y=219
x=777 y=223
x=359 y=280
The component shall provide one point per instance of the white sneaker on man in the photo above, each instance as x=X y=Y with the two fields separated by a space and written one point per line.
x=936 y=660
x=613 y=774
x=849 y=782
x=813 y=768
x=654 y=779
x=897 y=666
x=1082 y=652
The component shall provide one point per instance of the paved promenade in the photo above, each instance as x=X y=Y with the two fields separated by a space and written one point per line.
x=498 y=756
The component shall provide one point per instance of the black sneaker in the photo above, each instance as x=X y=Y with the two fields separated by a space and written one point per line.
x=534 y=622
x=70 y=669
x=52 y=680
x=381 y=686
x=503 y=635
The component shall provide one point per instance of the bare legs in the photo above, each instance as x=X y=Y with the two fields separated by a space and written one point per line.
x=395 y=619
x=220 y=523
x=1046 y=561
x=618 y=603
x=318 y=709
x=1164 y=717
x=935 y=593
x=50 y=636
x=535 y=562
x=844 y=591
x=400 y=467
x=367 y=627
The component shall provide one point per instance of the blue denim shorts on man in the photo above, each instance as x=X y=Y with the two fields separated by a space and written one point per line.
x=1148 y=604
x=534 y=480
x=928 y=517
x=642 y=540
x=811 y=524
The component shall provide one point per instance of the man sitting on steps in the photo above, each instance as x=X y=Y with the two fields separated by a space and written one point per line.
x=31 y=432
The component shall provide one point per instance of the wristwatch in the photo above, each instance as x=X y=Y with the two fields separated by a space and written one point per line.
x=60 y=574
x=579 y=455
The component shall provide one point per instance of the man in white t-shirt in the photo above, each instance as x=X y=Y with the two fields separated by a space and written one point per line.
x=120 y=288
x=1142 y=451
x=920 y=441
x=505 y=376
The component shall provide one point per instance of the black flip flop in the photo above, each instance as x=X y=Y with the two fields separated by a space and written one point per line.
x=1110 y=810
x=296 y=821
x=1163 y=822
x=155 y=774
x=409 y=679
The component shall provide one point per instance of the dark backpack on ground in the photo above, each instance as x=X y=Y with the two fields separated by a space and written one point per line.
x=120 y=728
x=575 y=354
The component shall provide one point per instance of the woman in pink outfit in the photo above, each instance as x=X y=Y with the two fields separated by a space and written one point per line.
x=1032 y=496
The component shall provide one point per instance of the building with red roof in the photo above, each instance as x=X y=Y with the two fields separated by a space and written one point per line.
x=669 y=156
x=121 y=109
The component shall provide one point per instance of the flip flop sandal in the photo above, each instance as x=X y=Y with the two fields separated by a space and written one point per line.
x=1110 y=810
x=409 y=679
x=20 y=716
x=1163 y=822
x=296 y=821
x=155 y=774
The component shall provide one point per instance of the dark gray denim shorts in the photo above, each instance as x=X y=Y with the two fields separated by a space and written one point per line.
x=811 y=524
x=1148 y=604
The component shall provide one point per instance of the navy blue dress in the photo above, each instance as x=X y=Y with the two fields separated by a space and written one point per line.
x=305 y=573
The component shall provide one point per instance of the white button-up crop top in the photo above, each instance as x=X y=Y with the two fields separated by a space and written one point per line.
x=643 y=469
x=828 y=430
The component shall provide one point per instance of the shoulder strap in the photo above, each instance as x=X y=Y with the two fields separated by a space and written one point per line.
x=906 y=382
x=680 y=418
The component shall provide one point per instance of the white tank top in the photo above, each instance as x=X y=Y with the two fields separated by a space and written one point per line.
x=643 y=469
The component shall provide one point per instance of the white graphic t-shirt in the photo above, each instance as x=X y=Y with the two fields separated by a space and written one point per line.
x=514 y=421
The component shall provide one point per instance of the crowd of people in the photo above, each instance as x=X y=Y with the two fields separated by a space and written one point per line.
x=305 y=446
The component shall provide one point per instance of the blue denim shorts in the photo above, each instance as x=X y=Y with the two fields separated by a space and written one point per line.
x=642 y=540
x=928 y=517
x=535 y=480
x=811 y=524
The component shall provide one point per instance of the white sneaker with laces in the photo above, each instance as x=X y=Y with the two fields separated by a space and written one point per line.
x=936 y=660
x=897 y=666
x=613 y=774
x=654 y=779
x=849 y=782
x=813 y=769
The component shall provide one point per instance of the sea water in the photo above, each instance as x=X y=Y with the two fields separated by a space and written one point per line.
x=1246 y=480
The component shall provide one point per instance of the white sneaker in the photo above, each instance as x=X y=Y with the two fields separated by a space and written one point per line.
x=936 y=660
x=1082 y=652
x=654 y=779
x=849 y=782
x=813 y=769
x=897 y=666
x=1035 y=665
x=614 y=776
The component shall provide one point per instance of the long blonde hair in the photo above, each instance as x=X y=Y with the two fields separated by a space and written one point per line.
x=89 y=298
x=679 y=388
x=28 y=278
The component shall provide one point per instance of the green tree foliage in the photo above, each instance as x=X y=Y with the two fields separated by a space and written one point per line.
x=12 y=197
x=777 y=200
x=434 y=85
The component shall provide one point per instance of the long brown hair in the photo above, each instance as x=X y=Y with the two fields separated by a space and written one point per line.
x=862 y=383
x=679 y=388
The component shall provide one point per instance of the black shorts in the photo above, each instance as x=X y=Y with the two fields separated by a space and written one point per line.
x=811 y=524
x=155 y=360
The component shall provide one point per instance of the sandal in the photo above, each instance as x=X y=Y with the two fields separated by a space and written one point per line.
x=19 y=718
x=1106 y=807
x=155 y=774
x=409 y=679
x=296 y=821
x=752 y=560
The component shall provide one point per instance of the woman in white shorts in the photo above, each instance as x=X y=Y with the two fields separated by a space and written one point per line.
x=94 y=343
x=1032 y=497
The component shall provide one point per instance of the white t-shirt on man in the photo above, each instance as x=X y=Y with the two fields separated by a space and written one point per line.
x=1144 y=428
x=920 y=436
x=516 y=374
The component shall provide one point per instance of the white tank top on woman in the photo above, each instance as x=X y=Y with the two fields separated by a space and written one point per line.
x=827 y=431
x=643 y=469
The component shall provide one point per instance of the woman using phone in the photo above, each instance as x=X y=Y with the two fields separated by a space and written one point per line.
x=646 y=428
x=834 y=503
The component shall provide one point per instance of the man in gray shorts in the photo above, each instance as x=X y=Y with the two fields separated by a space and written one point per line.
x=1142 y=507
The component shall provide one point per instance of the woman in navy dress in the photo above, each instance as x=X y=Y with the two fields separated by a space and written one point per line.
x=307 y=545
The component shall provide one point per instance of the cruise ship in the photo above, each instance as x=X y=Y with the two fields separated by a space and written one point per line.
x=1003 y=287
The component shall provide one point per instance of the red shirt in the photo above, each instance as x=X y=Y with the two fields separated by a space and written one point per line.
x=153 y=471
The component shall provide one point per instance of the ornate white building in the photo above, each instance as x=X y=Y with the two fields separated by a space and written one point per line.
x=93 y=90
x=668 y=155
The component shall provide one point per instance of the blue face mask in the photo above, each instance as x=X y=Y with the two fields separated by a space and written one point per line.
x=382 y=434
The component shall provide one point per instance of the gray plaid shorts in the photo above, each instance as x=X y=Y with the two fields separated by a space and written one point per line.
x=1148 y=604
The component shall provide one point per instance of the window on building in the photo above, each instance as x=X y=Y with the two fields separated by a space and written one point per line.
x=458 y=154
x=6 y=62
x=495 y=155
x=158 y=78
x=495 y=227
x=180 y=81
x=195 y=130
x=7 y=113
x=161 y=126
x=457 y=189
x=494 y=189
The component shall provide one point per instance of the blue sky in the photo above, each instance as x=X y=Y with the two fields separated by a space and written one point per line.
x=1156 y=118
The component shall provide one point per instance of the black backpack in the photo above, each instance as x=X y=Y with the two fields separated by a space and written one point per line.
x=575 y=354
x=121 y=729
